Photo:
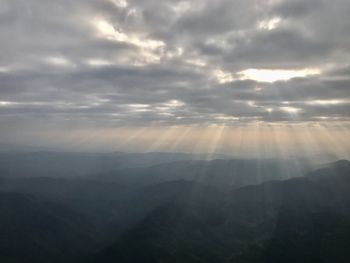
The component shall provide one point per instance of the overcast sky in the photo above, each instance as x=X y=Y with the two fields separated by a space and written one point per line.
x=118 y=63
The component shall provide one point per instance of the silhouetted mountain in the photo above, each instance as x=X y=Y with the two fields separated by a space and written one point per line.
x=314 y=224
x=298 y=220
x=61 y=164
x=35 y=230
x=180 y=212
x=86 y=196
x=219 y=172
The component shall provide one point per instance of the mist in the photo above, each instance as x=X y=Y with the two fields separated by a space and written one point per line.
x=174 y=131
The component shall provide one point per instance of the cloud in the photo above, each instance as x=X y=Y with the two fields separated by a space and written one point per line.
x=119 y=63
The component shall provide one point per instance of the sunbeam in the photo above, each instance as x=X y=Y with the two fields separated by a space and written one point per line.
x=174 y=131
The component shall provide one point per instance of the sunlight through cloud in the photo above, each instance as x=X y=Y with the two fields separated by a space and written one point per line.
x=290 y=109
x=269 y=24
x=272 y=75
x=59 y=61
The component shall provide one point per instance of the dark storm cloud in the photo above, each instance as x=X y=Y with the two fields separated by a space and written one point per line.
x=114 y=62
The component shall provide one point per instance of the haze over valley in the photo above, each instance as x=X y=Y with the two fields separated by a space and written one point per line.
x=174 y=131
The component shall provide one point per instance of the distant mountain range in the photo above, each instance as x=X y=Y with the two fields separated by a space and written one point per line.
x=33 y=229
x=297 y=220
x=186 y=210
x=67 y=164
x=220 y=172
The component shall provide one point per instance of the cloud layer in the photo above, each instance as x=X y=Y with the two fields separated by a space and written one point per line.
x=141 y=62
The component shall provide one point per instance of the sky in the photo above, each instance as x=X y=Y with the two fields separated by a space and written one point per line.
x=199 y=75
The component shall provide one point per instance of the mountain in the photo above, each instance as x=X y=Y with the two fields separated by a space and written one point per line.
x=218 y=172
x=180 y=211
x=70 y=164
x=297 y=220
x=35 y=230
x=314 y=224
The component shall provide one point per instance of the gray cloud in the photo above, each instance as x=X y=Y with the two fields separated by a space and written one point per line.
x=115 y=63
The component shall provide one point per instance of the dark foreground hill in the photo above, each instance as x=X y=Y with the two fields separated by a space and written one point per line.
x=91 y=219
x=298 y=220
x=35 y=230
